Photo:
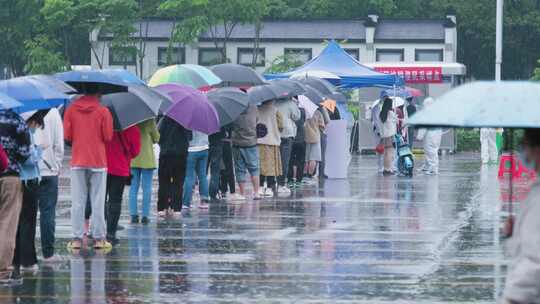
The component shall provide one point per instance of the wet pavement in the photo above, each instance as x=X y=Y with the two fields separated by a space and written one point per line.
x=367 y=239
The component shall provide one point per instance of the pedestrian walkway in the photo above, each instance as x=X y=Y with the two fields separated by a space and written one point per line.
x=367 y=239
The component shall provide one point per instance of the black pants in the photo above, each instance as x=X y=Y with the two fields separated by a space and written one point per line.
x=323 y=156
x=270 y=181
x=113 y=202
x=285 y=152
x=25 y=247
x=215 y=155
x=171 y=175
x=227 y=174
x=298 y=160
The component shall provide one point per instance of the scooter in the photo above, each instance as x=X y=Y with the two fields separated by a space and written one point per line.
x=405 y=156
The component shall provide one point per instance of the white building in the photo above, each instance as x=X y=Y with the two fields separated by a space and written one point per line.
x=373 y=40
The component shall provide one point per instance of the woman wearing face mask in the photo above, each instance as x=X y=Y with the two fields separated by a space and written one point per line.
x=522 y=281
x=25 y=258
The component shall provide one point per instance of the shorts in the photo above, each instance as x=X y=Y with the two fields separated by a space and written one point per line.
x=246 y=160
x=313 y=152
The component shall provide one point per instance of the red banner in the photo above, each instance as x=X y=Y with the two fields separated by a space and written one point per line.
x=415 y=74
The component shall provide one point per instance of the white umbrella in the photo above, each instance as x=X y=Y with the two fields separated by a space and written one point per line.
x=307 y=105
x=398 y=102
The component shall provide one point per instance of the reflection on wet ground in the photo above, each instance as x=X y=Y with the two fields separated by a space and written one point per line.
x=367 y=239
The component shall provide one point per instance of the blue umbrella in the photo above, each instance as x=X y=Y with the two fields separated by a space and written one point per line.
x=7 y=102
x=90 y=79
x=127 y=77
x=485 y=104
x=33 y=94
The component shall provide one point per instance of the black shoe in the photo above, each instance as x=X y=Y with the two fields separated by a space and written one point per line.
x=120 y=228
x=114 y=241
x=134 y=219
x=145 y=220
x=388 y=173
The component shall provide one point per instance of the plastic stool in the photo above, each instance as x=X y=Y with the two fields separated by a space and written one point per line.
x=510 y=164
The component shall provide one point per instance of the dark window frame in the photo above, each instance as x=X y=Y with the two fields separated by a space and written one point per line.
x=163 y=49
x=390 y=51
x=124 y=63
x=438 y=51
x=354 y=50
x=297 y=50
x=241 y=50
x=203 y=49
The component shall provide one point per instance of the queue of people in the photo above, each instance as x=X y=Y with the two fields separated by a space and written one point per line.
x=273 y=147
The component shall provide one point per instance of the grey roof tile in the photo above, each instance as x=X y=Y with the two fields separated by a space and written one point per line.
x=410 y=30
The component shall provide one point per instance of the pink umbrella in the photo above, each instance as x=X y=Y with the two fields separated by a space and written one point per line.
x=414 y=92
x=190 y=108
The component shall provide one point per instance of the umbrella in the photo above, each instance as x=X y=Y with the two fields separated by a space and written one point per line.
x=329 y=104
x=190 y=108
x=397 y=102
x=314 y=95
x=288 y=88
x=339 y=97
x=485 y=104
x=7 y=102
x=191 y=75
x=317 y=74
x=127 y=77
x=507 y=104
x=308 y=105
x=33 y=94
x=413 y=92
x=128 y=109
x=53 y=83
x=265 y=92
x=237 y=75
x=323 y=86
x=229 y=103
x=85 y=79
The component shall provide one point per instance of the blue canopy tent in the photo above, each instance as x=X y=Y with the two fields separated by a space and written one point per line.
x=352 y=73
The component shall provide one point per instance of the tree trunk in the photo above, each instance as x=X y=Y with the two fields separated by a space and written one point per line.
x=256 y=43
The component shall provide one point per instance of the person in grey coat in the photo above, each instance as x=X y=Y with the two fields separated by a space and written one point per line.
x=523 y=278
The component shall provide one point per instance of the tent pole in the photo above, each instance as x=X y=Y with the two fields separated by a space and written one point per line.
x=499 y=39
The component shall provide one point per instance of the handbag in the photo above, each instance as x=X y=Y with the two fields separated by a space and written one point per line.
x=380 y=148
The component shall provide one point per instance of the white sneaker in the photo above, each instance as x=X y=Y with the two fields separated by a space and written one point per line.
x=283 y=190
x=237 y=197
x=268 y=192
x=262 y=190
x=51 y=260
x=30 y=269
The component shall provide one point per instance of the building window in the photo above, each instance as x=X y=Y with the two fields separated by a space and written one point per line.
x=210 y=56
x=355 y=53
x=428 y=55
x=390 y=55
x=122 y=56
x=245 y=56
x=301 y=55
x=178 y=56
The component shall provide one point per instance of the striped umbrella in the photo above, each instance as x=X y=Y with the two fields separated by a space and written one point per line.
x=195 y=76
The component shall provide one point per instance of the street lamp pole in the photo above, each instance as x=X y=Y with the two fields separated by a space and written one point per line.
x=499 y=39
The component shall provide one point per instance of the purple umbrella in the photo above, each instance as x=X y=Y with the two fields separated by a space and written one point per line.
x=190 y=108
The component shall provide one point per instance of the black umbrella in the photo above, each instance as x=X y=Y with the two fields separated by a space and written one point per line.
x=339 y=97
x=237 y=75
x=131 y=108
x=229 y=103
x=288 y=87
x=265 y=92
x=323 y=86
x=314 y=95
x=53 y=83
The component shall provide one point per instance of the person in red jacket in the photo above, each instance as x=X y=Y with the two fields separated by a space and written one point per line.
x=4 y=161
x=124 y=147
x=88 y=126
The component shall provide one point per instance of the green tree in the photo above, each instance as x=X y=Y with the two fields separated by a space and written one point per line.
x=283 y=63
x=42 y=59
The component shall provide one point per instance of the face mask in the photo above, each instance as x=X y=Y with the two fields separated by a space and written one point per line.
x=525 y=161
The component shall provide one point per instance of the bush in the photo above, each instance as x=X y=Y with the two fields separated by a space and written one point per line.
x=468 y=139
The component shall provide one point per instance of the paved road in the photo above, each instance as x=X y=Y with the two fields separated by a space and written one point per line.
x=367 y=239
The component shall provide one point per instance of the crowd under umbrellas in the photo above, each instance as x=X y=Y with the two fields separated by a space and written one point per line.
x=192 y=105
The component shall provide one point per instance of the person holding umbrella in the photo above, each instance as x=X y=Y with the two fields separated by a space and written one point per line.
x=88 y=126
x=298 y=152
x=269 y=126
x=245 y=151
x=124 y=146
x=142 y=171
x=196 y=168
x=25 y=250
x=389 y=120
x=290 y=113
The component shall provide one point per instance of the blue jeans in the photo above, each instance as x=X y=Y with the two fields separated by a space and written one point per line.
x=48 y=197
x=196 y=167
x=141 y=177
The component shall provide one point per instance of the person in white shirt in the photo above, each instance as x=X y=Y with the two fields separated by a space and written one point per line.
x=388 y=122
x=51 y=140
